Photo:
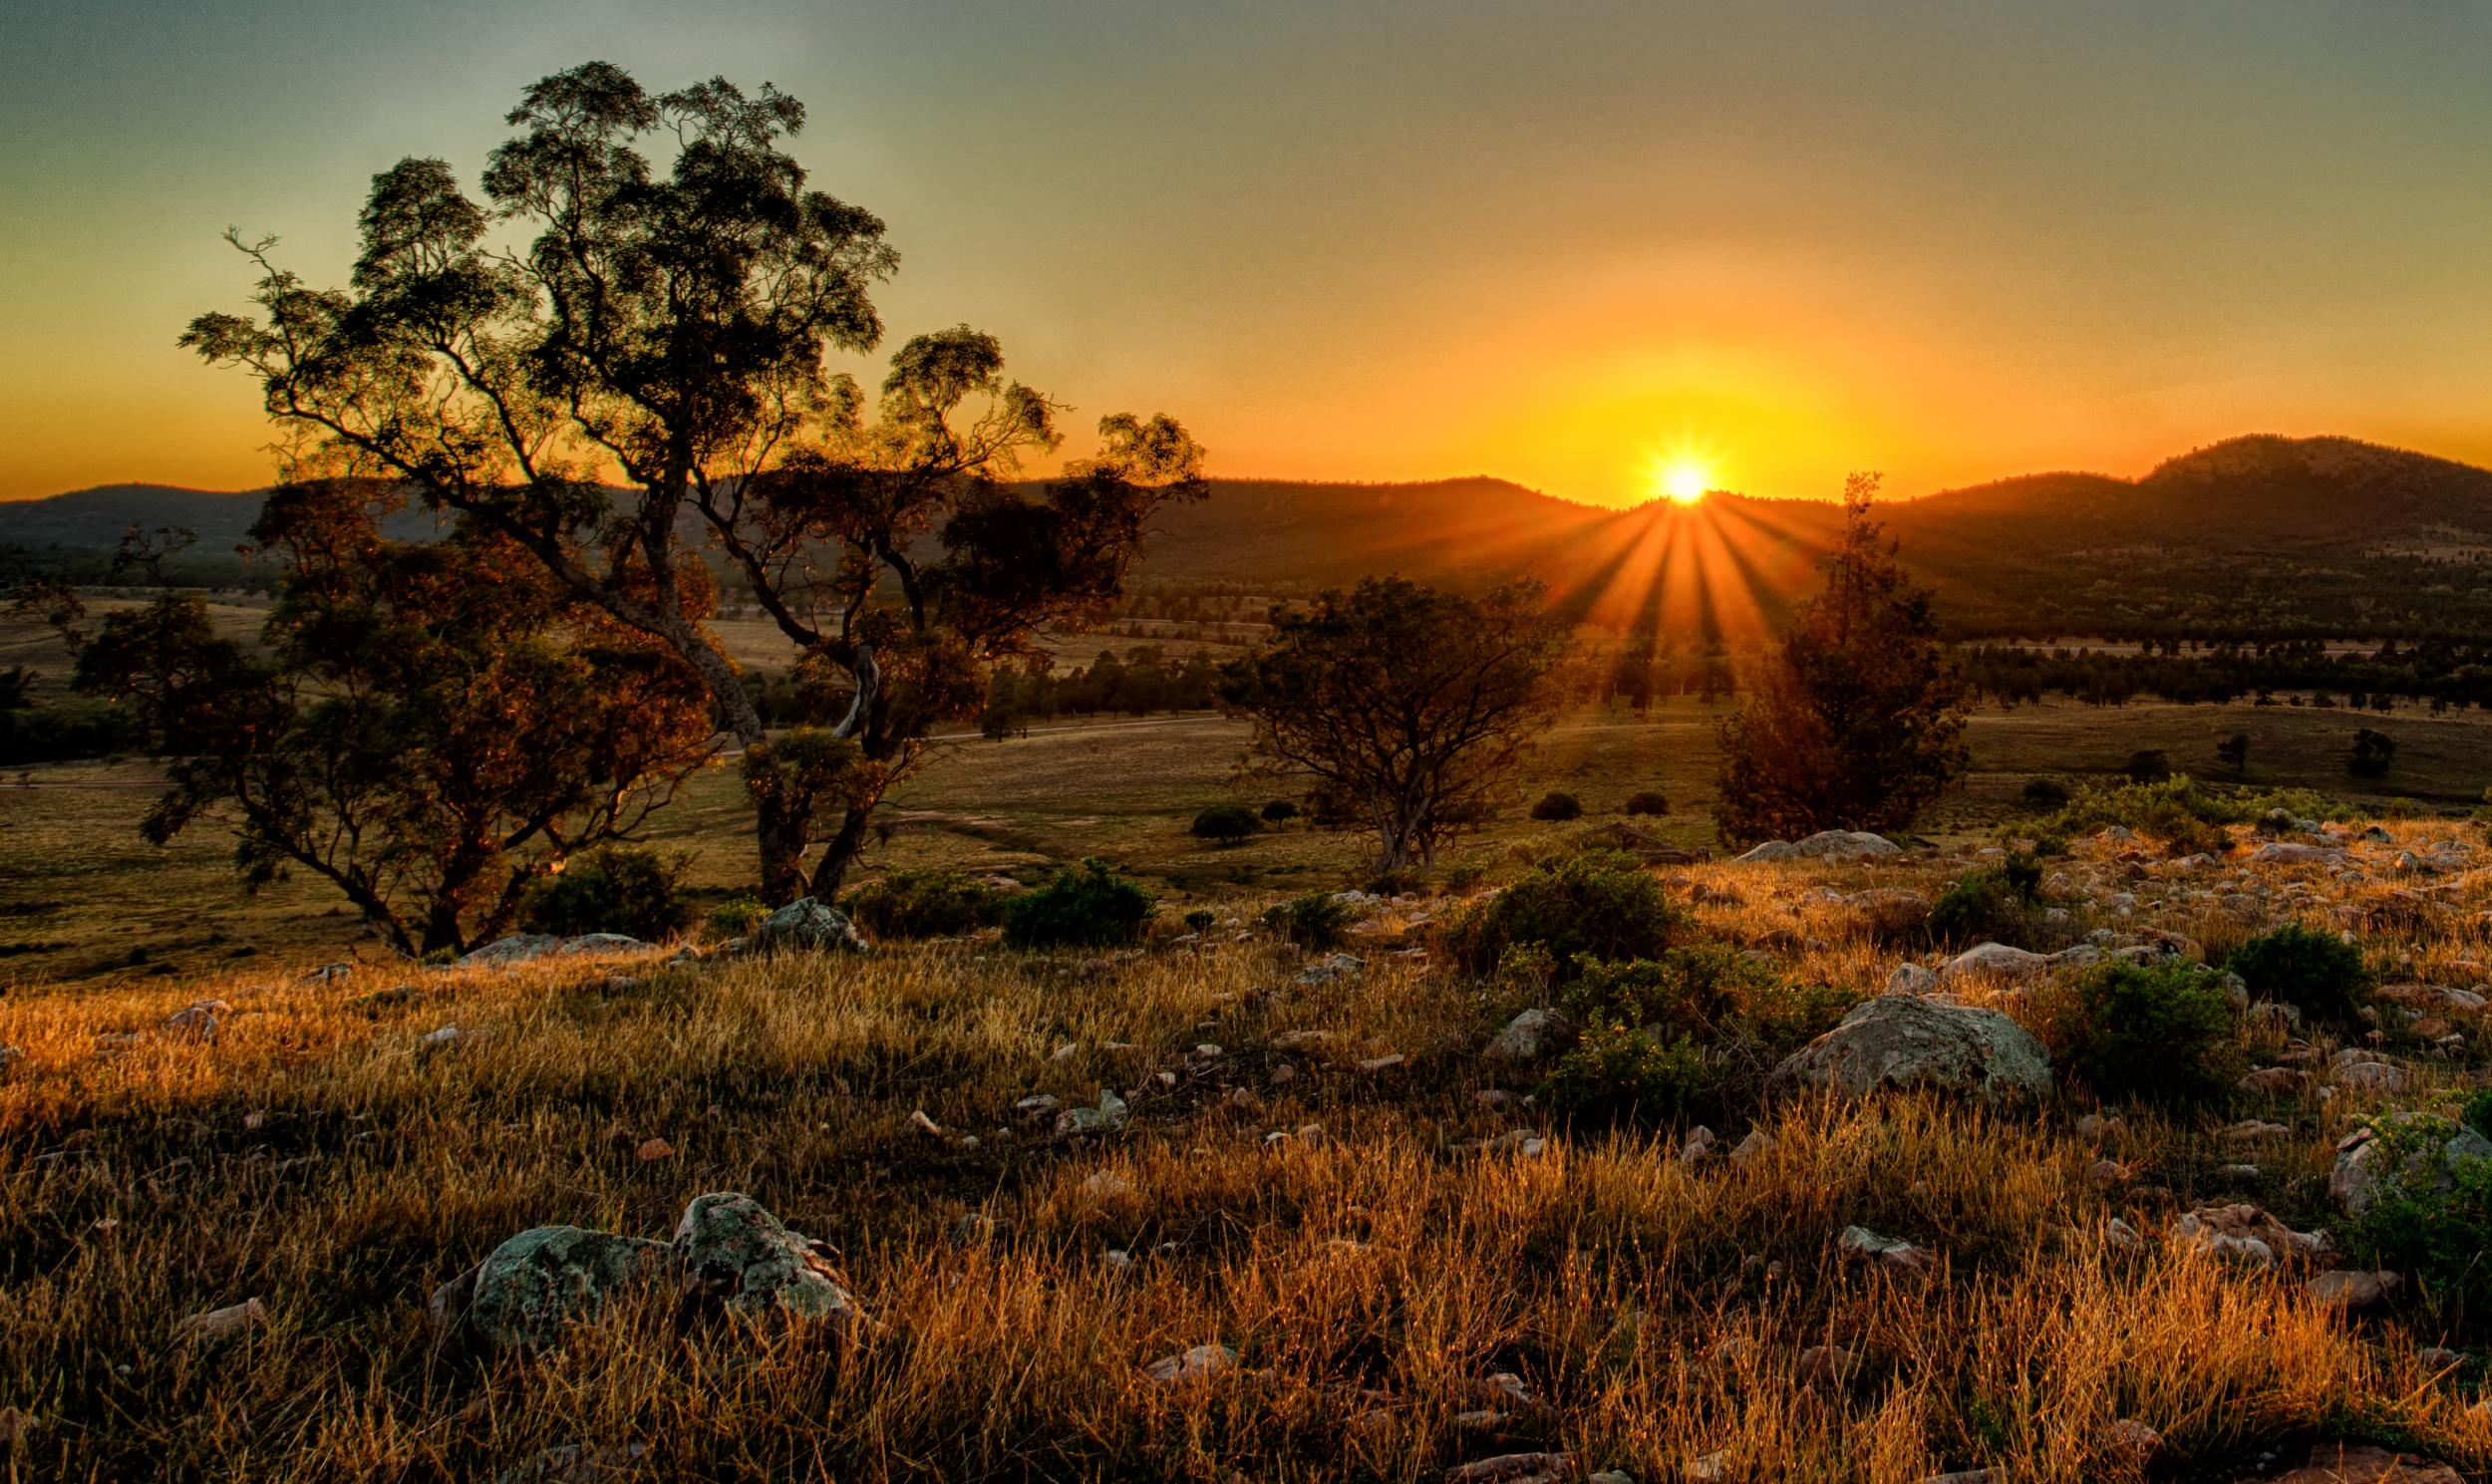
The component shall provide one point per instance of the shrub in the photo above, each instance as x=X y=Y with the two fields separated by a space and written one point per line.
x=1315 y=920
x=1200 y=921
x=2374 y=753
x=1689 y=990
x=1986 y=906
x=2319 y=973
x=1279 y=812
x=1620 y=1072
x=1225 y=824
x=1395 y=882
x=1594 y=904
x=614 y=889
x=1646 y=801
x=2430 y=1229
x=1088 y=906
x=1557 y=806
x=924 y=904
x=2155 y=1034
x=736 y=916
x=2147 y=766
x=2045 y=793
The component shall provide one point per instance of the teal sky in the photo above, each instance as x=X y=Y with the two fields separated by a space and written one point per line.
x=1564 y=243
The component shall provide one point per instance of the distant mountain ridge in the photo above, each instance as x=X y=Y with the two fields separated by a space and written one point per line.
x=2258 y=535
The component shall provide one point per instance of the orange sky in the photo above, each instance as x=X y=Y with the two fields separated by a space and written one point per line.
x=1553 y=242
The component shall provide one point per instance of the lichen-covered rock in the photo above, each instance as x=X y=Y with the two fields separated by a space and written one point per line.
x=521 y=948
x=1827 y=844
x=1533 y=1034
x=1998 y=960
x=546 y=1277
x=1911 y=979
x=807 y=924
x=728 y=1253
x=1906 y=1041
x=2430 y=1148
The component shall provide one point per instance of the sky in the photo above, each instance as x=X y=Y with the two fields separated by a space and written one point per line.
x=1570 y=245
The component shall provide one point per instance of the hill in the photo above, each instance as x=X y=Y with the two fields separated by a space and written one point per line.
x=2261 y=536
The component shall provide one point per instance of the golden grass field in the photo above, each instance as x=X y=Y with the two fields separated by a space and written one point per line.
x=1372 y=1278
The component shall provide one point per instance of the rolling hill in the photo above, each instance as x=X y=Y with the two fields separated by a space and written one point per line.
x=2254 y=535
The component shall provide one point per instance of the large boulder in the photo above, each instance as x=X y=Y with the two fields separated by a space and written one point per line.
x=731 y=1254
x=1828 y=844
x=528 y=1288
x=2413 y=1152
x=521 y=948
x=1998 y=960
x=1530 y=1036
x=1908 y=1041
x=811 y=925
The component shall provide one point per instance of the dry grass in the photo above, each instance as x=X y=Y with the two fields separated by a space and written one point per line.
x=315 y=1158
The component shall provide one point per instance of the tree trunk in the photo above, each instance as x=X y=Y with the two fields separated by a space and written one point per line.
x=778 y=832
x=831 y=871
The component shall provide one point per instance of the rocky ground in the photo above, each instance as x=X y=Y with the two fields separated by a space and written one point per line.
x=1223 y=1208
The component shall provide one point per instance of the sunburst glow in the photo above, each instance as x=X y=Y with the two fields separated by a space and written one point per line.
x=1683 y=481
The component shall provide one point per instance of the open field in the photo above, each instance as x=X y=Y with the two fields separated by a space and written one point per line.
x=82 y=896
x=1334 y=1225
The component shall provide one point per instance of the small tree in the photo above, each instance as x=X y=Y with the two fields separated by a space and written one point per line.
x=2374 y=753
x=2234 y=753
x=431 y=727
x=1225 y=824
x=1415 y=703
x=1856 y=721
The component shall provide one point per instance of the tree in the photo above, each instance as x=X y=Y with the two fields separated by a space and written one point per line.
x=432 y=727
x=2234 y=753
x=1415 y=704
x=2374 y=753
x=1855 y=721
x=643 y=382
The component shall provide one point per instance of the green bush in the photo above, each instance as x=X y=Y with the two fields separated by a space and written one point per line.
x=1199 y=921
x=736 y=916
x=2319 y=973
x=1557 y=806
x=1986 y=906
x=1646 y=801
x=2430 y=1232
x=1225 y=824
x=1395 y=881
x=1694 y=990
x=1279 y=812
x=2159 y=1034
x=2147 y=766
x=924 y=904
x=1312 y=921
x=1088 y=906
x=626 y=889
x=1619 y=1073
x=1583 y=906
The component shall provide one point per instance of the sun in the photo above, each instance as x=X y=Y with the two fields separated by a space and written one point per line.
x=1683 y=481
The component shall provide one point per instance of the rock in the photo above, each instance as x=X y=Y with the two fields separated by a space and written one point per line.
x=521 y=948
x=1506 y=1468
x=439 y=1038
x=2367 y=1464
x=2432 y=1146
x=1325 y=970
x=2291 y=854
x=1201 y=1363
x=2355 y=1292
x=2131 y=1442
x=1102 y=1185
x=8 y=1058
x=2253 y=1128
x=1756 y=1146
x=1824 y=1366
x=1530 y=1036
x=1109 y=1116
x=2121 y=1237
x=654 y=1149
x=528 y=1288
x=1996 y=959
x=1890 y=1253
x=2240 y=1233
x=2372 y=1077
x=1827 y=844
x=2105 y=1174
x=731 y=1254
x=1905 y=1041
x=2275 y=1081
x=1911 y=979
x=229 y=1322
x=1390 y=1061
x=808 y=925
x=198 y=1021
x=1968 y=1476
x=573 y=1464
x=1700 y=1145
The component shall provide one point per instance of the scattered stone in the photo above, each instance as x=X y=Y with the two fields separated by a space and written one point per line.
x=521 y=948
x=1998 y=960
x=2253 y=1128
x=1911 y=979
x=1201 y=1364
x=2355 y=1292
x=2240 y=1233
x=2372 y=1077
x=2131 y=1442
x=1700 y=1145
x=925 y=1124
x=1105 y=1185
x=1530 y=1036
x=2367 y=1464
x=1826 y=1365
x=2122 y=1237
x=2103 y=1174
x=526 y=1290
x=8 y=1057
x=15 y=1426
x=1756 y=1146
x=1391 y=1062
x=573 y=1464
x=447 y=1035
x=1904 y=1041
x=198 y=1021
x=730 y=1253
x=1313 y=1136
x=1325 y=970
x=1065 y=1052
x=217 y=1326
x=327 y=972
x=654 y=1149
x=2434 y=1148
x=2275 y=1081
x=807 y=924
x=1510 y=1468
x=1109 y=1116
x=1890 y=1253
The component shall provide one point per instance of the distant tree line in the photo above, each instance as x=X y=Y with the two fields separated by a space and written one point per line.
x=2442 y=673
